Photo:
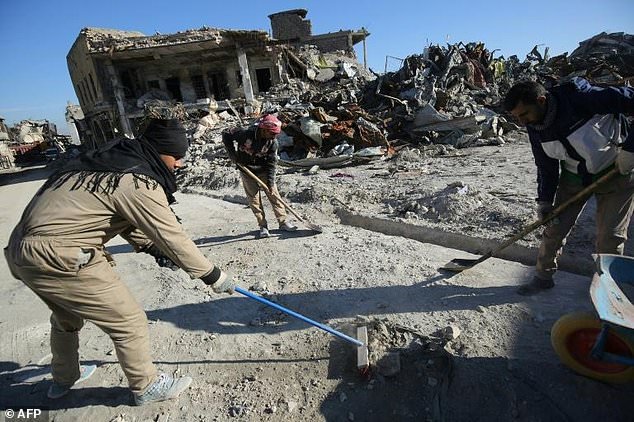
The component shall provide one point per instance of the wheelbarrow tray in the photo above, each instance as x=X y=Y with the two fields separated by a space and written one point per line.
x=611 y=303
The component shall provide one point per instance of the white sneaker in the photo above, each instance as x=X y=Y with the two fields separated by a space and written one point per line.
x=264 y=232
x=164 y=388
x=288 y=227
x=55 y=391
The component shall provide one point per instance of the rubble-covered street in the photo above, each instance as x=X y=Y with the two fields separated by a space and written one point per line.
x=404 y=170
x=250 y=362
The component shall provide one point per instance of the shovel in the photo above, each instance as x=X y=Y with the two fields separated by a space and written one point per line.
x=457 y=265
x=266 y=189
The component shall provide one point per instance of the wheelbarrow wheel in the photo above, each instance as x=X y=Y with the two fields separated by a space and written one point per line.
x=574 y=335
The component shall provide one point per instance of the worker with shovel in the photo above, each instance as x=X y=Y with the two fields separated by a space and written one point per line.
x=255 y=148
x=57 y=250
x=578 y=134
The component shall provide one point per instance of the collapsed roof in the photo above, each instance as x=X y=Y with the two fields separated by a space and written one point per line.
x=110 y=41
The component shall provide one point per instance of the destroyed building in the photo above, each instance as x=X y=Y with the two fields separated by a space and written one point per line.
x=27 y=141
x=116 y=73
x=293 y=28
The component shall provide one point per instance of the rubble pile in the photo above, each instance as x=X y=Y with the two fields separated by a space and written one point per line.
x=605 y=59
x=451 y=95
x=447 y=95
x=336 y=113
x=322 y=112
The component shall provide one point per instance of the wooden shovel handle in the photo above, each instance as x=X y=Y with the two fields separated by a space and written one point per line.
x=586 y=192
x=267 y=190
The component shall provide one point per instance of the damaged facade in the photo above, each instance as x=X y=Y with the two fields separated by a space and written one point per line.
x=117 y=73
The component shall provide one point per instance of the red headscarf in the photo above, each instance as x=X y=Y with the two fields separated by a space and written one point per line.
x=271 y=123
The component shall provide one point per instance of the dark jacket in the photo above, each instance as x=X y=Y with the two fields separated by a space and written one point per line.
x=581 y=130
x=259 y=155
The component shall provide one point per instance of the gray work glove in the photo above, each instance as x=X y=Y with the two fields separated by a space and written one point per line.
x=161 y=259
x=219 y=281
x=625 y=162
x=543 y=209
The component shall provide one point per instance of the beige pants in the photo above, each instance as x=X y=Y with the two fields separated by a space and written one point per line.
x=79 y=284
x=252 y=189
x=615 y=203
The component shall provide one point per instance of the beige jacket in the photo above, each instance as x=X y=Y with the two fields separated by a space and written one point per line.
x=79 y=219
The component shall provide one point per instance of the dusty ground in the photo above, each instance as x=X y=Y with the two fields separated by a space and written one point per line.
x=249 y=362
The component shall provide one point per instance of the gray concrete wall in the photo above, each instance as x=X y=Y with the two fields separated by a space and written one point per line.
x=87 y=84
x=290 y=26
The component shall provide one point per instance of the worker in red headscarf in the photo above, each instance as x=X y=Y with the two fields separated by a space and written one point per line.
x=256 y=148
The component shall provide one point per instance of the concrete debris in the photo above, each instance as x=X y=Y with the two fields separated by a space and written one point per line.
x=451 y=332
x=31 y=142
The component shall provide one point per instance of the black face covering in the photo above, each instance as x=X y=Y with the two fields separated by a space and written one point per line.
x=102 y=169
x=167 y=136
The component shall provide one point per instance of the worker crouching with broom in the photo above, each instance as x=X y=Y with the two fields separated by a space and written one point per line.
x=57 y=249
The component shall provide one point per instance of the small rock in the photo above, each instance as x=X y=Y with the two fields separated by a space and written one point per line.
x=292 y=405
x=411 y=215
x=260 y=286
x=238 y=410
x=314 y=169
x=270 y=409
x=451 y=332
x=350 y=416
x=432 y=382
x=481 y=309
x=342 y=397
x=458 y=184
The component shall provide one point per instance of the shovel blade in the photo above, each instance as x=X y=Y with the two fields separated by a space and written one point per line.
x=314 y=227
x=458 y=265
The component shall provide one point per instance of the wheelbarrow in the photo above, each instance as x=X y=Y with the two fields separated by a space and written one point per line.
x=601 y=345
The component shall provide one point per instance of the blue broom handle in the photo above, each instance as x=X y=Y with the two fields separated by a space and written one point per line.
x=299 y=316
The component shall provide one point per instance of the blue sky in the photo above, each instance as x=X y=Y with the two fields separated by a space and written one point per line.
x=35 y=36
